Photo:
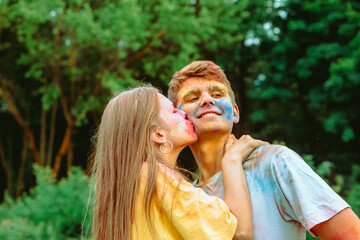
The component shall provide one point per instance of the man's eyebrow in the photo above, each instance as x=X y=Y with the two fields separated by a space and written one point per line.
x=217 y=88
x=190 y=92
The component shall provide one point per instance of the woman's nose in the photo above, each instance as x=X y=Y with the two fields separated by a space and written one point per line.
x=182 y=113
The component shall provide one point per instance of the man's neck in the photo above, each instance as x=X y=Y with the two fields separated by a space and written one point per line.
x=208 y=152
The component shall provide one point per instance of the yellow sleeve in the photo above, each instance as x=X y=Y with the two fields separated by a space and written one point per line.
x=194 y=214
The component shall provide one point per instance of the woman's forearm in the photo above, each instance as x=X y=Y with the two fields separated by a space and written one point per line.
x=237 y=198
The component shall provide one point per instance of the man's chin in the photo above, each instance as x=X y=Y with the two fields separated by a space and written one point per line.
x=211 y=129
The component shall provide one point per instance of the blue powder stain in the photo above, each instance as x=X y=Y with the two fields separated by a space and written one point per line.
x=181 y=106
x=226 y=106
x=257 y=182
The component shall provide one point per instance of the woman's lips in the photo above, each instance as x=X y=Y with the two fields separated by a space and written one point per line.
x=190 y=125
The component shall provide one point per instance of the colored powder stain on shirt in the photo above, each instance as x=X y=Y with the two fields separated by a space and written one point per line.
x=258 y=168
x=283 y=211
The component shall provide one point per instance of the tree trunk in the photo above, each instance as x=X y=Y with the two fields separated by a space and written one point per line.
x=31 y=140
x=52 y=134
x=63 y=150
x=6 y=169
x=56 y=79
x=10 y=102
x=20 y=180
x=70 y=156
x=43 y=136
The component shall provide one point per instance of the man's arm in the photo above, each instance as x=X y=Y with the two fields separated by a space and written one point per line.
x=323 y=212
x=343 y=226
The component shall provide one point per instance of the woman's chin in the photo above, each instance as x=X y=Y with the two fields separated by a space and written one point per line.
x=189 y=140
x=193 y=139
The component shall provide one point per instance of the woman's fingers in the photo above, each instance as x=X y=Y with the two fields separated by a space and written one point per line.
x=242 y=147
x=256 y=143
x=260 y=142
x=251 y=141
x=230 y=142
x=231 y=136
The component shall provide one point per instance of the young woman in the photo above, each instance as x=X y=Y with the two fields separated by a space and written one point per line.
x=139 y=192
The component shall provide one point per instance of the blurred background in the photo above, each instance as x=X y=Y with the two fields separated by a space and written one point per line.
x=294 y=66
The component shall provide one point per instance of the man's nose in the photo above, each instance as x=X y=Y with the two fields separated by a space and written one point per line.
x=206 y=100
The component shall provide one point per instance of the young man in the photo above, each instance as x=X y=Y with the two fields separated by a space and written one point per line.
x=287 y=196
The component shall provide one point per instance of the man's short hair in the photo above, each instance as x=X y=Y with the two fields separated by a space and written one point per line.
x=201 y=69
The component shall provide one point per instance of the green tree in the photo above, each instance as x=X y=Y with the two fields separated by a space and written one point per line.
x=61 y=60
x=305 y=87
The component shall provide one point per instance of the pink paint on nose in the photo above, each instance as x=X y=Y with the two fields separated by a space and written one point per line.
x=183 y=114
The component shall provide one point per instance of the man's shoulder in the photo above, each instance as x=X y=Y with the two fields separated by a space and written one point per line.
x=269 y=156
x=271 y=149
x=270 y=153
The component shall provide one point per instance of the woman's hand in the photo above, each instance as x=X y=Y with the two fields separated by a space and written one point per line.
x=239 y=150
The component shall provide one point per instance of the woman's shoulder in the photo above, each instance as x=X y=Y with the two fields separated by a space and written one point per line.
x=162 y=170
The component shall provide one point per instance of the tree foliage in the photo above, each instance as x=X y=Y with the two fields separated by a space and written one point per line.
x=305 y=87
x=52 y=210
x=62 y=60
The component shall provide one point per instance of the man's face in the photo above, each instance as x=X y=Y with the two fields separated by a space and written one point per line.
x=208 y=105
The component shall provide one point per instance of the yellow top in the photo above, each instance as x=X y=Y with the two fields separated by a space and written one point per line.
x=192 y=214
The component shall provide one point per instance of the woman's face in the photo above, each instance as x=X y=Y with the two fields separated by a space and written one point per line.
x=179 y=130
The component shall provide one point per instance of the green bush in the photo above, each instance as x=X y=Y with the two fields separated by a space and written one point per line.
x=347 y=187
x=52 y=210
x=353 y=197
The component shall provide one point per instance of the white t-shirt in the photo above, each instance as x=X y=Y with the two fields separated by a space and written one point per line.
x=287 y=196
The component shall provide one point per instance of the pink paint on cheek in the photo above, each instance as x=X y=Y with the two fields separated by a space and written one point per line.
x=177 y=129
x=190 y=111
x=182 y=127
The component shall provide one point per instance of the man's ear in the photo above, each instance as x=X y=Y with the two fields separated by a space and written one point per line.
x=236 y=114
x=158 y=136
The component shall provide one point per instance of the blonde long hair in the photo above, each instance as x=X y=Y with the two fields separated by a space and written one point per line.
x=121 y=145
